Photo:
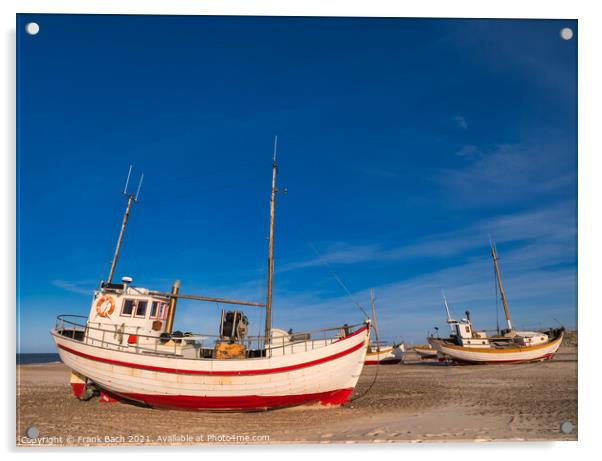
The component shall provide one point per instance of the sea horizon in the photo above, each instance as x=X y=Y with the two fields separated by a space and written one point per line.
x=37 y=358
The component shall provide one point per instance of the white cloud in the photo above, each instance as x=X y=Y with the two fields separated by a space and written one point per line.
x=82 y=287
x=512 y=173
x=553 y=228
x=338 y=253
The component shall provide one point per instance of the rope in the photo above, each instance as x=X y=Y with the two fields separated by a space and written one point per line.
x=369 y=387
x=338 y=279
x=342 y=284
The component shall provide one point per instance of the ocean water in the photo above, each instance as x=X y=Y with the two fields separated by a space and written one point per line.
x=28 y=359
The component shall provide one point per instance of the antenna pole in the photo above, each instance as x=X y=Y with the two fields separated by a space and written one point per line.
x=449 y=319
x=268 y=301
x=126 y=215
x=374 y=320
x=139 y=186
x=499 y=282
x=127 y=181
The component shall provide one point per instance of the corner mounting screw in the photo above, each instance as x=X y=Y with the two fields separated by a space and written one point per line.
x=32 y=432
x=566 y=427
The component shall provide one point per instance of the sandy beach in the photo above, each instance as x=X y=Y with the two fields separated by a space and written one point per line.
x=413 y=402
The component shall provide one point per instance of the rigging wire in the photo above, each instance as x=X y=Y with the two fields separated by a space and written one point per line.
x=338 y=279
x=557 y=321
x=332 y=272
x=364 y=394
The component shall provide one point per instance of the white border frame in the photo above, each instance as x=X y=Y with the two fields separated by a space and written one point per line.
x=590 y=78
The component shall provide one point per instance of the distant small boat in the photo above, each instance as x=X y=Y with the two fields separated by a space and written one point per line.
x=390 y=355
x=379 y=352
x=510 y=346
x=426 y=352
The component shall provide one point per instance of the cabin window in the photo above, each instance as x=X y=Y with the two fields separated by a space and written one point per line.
x=128 y=307
x=141 y=309
x=134 y=307
x=467 y=329
x=163 y=311
x=154 y=310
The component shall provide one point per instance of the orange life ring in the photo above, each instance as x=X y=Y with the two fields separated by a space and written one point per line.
x=105 y=306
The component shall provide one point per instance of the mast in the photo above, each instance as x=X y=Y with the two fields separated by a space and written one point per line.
x=497 y=305
x=131 y=198
x=268 y=300
x=449 y=319
x=175 y=289
x=499 y=282
x=374 y=320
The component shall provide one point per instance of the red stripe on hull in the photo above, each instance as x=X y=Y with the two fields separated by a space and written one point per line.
x=351 y=335
x=383 y=362
x=240 y=403
x=217 y=373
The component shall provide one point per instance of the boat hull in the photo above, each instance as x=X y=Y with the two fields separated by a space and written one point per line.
x=426 y=353
x=326 y=375
x=471 y=355
x=239 y=403
x=386 y=356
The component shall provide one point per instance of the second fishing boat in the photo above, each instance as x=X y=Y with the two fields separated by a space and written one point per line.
x=465 y=345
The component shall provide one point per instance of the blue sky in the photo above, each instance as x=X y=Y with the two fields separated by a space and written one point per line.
x=404 y=144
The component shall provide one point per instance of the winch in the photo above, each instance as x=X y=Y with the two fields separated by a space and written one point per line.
x=234 y=325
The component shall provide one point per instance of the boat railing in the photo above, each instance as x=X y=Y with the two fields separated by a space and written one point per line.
x=133 y=339
x=385 y=343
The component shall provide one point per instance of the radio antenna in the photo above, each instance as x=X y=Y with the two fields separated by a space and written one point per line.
x=126 y=215
x=139 y=186
x=127 y=181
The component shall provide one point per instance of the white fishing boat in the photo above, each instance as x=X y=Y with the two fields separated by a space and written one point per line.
x=465 y=345
x=426 y=352
x=385 y=355
x=380 y=352
x=127 y=349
